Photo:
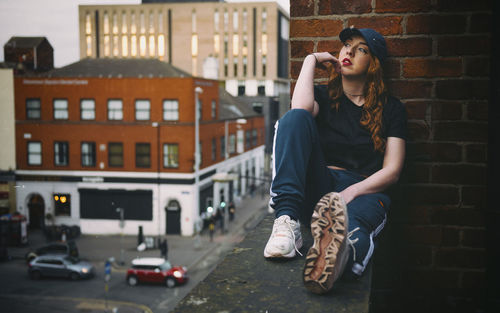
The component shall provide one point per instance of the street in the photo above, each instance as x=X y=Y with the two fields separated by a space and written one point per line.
x=18 y=293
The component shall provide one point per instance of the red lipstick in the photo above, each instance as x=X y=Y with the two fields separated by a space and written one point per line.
x=346 y=62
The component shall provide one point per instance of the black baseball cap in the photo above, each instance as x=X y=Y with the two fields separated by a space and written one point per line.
x=374 y=40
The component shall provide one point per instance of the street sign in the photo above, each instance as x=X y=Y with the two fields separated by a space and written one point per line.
x=107 y=268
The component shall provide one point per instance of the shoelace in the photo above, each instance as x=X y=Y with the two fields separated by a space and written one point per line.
x=284 y=222
x=351 y=242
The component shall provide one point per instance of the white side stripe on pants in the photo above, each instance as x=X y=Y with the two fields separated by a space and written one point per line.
x=359 y=269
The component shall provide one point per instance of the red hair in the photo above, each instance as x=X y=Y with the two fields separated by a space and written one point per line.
x=375 y=92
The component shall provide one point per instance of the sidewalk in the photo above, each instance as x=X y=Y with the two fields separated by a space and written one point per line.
x=181 y=250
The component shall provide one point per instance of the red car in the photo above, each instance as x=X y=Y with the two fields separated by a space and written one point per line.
x=156 y=270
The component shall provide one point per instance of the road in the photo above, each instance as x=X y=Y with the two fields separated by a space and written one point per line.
x=18 y=293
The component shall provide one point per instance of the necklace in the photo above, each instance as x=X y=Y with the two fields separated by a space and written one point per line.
x=353 y=95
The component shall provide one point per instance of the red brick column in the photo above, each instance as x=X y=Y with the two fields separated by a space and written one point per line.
x=432 y=257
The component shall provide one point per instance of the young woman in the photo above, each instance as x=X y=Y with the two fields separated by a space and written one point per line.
x=334 y=154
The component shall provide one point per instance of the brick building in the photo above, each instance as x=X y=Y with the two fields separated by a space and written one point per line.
x=432 y=256
x=99 y=135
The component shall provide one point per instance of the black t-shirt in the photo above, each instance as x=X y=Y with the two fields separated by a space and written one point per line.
x=348 y=144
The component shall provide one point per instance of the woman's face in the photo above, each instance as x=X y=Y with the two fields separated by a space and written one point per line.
x=354 y=57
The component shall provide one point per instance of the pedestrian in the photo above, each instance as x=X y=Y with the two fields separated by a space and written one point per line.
x=335 y=153
x=164 y=249
x=211 y=228
x=232 y=210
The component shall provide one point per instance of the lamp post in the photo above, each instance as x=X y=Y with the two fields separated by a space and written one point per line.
x=122 y=224
x=197 y=92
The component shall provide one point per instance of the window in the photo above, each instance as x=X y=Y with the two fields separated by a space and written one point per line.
x=34 y=153
x=62 y=204
x=61 y=109
x=261 y=90
x=142 y=108
x=170 y=110
x=248 y=139
x=170 y=155
x=214 y=149
x=87 y=109
x=61 y=153
x=254 y=137
x=214 y=109
x=241 y=90
x=115 y=154
x=142 y=155
x=223 y=146
x=232 y=144
x=115 y=109
x=88 y=154
x=33 y=109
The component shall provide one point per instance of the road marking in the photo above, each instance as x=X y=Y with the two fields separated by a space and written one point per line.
x=86 y=302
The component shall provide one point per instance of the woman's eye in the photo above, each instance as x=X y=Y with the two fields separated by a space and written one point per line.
x=363 y=50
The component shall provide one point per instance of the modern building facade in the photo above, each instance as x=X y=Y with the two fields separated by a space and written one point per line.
x=245 y=45
x=104 y=135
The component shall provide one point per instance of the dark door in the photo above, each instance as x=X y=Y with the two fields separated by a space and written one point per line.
x=173 y=214
x=36 y=209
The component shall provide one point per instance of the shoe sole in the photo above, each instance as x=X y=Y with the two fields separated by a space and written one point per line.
x=325 y=259
x=290 y=255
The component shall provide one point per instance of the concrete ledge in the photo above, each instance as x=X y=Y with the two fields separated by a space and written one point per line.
x=246 y=282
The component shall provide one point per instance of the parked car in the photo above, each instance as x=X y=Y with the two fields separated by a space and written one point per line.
x=156 y=270
x=60 y=265
x=68 y=248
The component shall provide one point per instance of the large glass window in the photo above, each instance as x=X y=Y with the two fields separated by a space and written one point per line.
x=254 y=137
x=214 y=109
x=33 y=110
x=232 y=144
x=142 y=155
x=61 y=109
x=170 y=155
x=88 y=154
x=214 y=149
x=248 y=139
x=62 y=204
x=142 y=110
x=87 y=109
x=171 y=110
x=223 y=146
x=115 y=109
x=61 y=153
x=34 y=153
x=115 y=154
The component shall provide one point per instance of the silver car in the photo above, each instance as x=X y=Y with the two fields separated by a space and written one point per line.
x=54 y=265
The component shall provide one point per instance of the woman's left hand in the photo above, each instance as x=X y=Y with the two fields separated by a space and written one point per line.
x=348 y=195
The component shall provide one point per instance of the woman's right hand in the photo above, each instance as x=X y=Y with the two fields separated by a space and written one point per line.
x=322 y=57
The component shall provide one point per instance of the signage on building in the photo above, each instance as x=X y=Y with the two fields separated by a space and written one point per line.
x=92 y=179
x=55 y=82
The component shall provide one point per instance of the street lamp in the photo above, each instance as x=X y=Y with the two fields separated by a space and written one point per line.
x=122 y=224
x=197 y=92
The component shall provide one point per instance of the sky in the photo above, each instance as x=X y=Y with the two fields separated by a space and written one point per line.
x=58 y=21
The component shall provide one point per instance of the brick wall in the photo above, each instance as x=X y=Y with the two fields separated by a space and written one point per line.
x=432 y=256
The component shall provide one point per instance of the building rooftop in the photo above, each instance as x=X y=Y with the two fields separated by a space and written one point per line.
x=24 y=42
x=233 y=108
x=118 y=68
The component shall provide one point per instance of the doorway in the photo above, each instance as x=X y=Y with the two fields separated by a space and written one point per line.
x=36 y=209
x=173 y=215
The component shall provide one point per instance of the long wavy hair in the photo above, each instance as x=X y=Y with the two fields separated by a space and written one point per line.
x=375 y=92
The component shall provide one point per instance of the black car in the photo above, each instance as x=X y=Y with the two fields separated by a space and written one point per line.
x=67 y=248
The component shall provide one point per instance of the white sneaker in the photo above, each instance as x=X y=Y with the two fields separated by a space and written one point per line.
x=285 y=239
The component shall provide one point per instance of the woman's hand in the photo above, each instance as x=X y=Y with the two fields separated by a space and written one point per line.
x=322 y=57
